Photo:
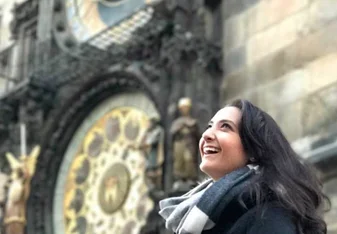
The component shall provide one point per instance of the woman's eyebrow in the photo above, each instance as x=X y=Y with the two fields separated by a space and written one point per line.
x=223 y=121
x=228 y=121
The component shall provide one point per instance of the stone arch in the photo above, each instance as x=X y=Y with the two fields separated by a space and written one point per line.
x=60 y=129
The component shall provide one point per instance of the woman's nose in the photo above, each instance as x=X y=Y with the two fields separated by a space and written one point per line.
x=208 y=135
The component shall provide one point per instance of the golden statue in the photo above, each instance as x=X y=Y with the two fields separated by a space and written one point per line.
x=22 y=171
x=185 y=136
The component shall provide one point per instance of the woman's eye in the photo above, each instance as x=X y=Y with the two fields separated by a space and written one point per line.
x=208 y=126
x=226 y=125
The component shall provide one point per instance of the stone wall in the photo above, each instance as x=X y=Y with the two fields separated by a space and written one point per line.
x=331 y=216
x=282 y=56
x=277 y=52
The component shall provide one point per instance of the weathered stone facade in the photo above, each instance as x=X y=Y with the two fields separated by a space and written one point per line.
x=58 y=83
x=282 y=55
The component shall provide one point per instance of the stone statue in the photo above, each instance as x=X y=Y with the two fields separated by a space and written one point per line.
x=22 y=171
x=151 y=144
x=3 y=184
x=185 y=137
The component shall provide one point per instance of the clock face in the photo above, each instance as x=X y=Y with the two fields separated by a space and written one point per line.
x=89 y=17
x=102 y=186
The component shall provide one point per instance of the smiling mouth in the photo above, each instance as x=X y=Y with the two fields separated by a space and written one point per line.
x=210 y=150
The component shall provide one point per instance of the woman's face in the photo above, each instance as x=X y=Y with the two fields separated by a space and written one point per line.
x=220 y=145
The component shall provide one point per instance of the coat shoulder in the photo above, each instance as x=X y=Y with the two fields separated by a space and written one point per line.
x=270 y=218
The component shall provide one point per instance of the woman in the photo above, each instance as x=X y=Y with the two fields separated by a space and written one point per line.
x=258 y=184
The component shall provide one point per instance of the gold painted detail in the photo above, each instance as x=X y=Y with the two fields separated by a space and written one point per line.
x=114 y=188
x=15 y=219
x=106 y=190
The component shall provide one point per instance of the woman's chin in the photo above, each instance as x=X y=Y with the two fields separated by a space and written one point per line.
x=205 y=167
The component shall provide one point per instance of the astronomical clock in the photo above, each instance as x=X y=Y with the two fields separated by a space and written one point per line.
x=87 y=18
x=102 y=187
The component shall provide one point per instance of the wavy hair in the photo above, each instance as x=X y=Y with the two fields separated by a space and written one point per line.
x=292 y=182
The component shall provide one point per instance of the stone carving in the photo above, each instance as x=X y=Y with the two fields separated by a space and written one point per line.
x=22 y=14
x=3 y=183
x=151 y=145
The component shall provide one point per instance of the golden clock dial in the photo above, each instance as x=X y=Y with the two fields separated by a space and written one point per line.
x=105 y=189
x=102 y=184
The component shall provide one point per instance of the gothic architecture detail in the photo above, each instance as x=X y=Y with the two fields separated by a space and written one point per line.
x=23 y=12
x=165 y=59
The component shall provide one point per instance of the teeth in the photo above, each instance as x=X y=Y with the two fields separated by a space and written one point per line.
x=210 y=150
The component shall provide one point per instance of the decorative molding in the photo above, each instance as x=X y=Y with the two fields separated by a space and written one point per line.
x=22 y=13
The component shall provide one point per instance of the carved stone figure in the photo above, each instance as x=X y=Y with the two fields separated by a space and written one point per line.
x=3 y=183
x=185 y=137
x=22 y=172
x=151 y=145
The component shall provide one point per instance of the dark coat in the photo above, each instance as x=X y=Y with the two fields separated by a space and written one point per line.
x=248 y=219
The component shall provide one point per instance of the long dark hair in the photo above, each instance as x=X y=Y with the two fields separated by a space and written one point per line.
x=282 y=172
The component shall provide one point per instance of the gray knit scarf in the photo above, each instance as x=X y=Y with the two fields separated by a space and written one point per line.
x=200 y=208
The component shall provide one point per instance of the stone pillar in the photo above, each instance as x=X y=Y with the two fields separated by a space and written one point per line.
x=44 y=30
